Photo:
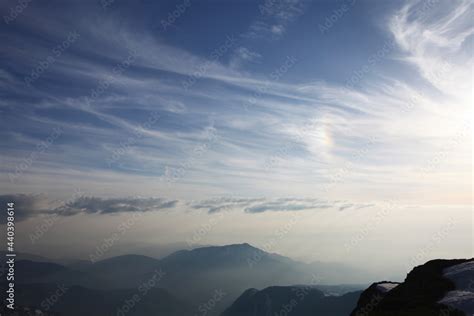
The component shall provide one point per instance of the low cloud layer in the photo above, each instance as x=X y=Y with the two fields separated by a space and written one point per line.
x=25 y=205
x=260 y=205
x=30 y=205
x=95 y=205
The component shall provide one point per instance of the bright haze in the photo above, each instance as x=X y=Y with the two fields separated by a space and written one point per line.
x=334 y=131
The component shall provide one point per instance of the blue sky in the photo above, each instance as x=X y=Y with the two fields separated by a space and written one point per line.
x=304 y=104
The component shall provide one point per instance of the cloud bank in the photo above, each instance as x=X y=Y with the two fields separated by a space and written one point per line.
x=29 y=205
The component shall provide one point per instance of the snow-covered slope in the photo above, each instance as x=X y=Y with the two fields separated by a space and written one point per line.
x=462 y=297
x=386 y=286
x=438 y=287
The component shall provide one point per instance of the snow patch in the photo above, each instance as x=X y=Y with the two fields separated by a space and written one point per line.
x=385 y=287
x=465 y=267
x=462 y=275
x=462 y=298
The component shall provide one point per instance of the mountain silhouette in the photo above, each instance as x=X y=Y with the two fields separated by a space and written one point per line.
x=291 y=301
x=422 y=293
x=27 y=271
x=195 y=274
x=80 y=301
x=191 y=275
x=240 y=279
x=122 y=271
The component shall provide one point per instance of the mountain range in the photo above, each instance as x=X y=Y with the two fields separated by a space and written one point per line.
x=228 y=280
x=193 y=275
x=291 y=300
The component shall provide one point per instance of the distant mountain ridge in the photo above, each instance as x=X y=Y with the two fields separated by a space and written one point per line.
x=192 y=275
x=122 y=271
x=249 y=281
x=195 y=274
x=27 y=271
x=291 y=301
x=80 y=301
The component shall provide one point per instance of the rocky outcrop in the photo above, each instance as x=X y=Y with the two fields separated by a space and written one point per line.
x=426 y=291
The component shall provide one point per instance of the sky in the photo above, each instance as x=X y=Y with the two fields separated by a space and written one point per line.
x=320 y=130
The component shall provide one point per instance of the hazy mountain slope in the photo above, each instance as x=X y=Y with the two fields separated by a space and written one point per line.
x=195 y=275
x=118 y=272
x=338 y=273
x=124 y=271
x=220 y=257
x=27 y=271
x=213 y=278
x=27 y=256
x=291 y=301
x=192 y=275
x=80 y=301
x=245 y=255
x=418 y=295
